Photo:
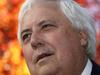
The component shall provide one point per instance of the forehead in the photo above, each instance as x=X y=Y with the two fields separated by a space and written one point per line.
x=42 y=11
x=39 y=12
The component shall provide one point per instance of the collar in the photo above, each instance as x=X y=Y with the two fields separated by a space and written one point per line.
x=88 y=68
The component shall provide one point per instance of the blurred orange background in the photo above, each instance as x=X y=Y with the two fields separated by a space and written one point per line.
x=12 y=61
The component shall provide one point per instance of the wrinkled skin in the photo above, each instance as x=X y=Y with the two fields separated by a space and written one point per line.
x=45 y=29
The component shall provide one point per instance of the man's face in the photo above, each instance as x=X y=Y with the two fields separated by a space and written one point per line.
x=50 y=44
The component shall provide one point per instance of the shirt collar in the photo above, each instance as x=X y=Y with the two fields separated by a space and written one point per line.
x=88 y=68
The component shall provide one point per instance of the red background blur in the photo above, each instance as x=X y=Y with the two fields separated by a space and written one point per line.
x=11 y=57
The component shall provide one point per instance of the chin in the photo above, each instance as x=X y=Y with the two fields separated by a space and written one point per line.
x=50 y=69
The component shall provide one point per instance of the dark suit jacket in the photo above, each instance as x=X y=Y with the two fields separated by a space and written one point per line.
x=95 y=69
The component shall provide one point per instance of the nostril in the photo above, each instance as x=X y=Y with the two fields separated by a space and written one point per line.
x=40 y=44
x=37 y=44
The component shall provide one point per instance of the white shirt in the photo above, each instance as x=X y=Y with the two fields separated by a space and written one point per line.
x=88 y=68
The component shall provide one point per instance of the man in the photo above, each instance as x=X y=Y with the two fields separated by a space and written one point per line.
x=58 y=38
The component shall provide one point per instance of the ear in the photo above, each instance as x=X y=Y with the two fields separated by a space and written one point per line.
x=83 y=39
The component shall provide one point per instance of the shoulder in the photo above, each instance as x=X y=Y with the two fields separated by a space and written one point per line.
x=95 y=69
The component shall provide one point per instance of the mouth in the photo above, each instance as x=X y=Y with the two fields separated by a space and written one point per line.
x=42 y=56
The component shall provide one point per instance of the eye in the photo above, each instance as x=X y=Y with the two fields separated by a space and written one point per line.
x=26 y=36
x=47 y=27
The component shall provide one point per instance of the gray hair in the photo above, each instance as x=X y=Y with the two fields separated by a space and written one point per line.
x=79 y=17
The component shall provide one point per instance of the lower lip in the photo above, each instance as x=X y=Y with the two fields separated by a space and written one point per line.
x=44 y=60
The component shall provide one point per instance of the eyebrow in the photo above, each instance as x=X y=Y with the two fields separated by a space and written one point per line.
x=46 y=21
x=39 y=24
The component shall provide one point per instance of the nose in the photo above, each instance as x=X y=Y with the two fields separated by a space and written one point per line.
x=36 y=42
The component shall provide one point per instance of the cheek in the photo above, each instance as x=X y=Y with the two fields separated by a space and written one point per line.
x=66 y=53
x=28 y=52
x=60 y=41
x=66 y=47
